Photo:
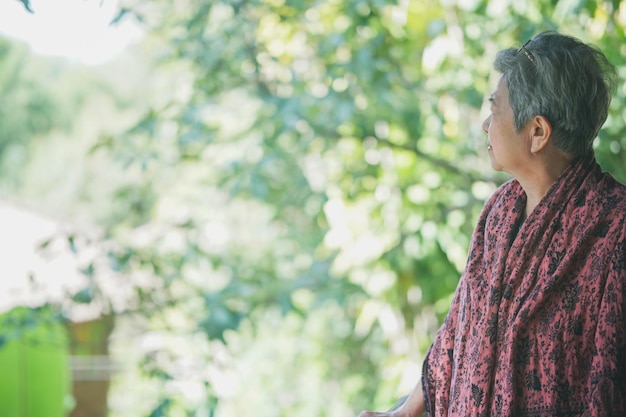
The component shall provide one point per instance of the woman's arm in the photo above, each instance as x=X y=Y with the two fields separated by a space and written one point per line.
x=414 y=406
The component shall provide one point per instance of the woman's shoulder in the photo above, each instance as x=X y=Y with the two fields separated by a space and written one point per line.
x=608 y=201
x=612 y=191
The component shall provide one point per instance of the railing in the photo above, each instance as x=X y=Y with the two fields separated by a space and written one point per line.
x=92 y=367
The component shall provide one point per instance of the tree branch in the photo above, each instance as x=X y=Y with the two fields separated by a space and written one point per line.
x=435 y=161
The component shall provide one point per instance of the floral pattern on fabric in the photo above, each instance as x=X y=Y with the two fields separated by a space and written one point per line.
x=537 y=326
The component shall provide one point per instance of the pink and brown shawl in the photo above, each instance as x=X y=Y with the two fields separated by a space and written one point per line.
x=537 y=326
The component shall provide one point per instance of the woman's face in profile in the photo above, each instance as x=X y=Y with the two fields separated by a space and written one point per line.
x=507 y=147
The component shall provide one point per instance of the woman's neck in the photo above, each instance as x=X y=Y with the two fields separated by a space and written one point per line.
x=541 y=176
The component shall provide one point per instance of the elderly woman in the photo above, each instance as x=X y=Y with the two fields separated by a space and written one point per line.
x=537 y=326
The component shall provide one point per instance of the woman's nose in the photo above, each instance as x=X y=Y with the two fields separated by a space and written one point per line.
x=486 y=124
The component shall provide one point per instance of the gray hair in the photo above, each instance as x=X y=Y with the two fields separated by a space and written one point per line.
x=563 y=79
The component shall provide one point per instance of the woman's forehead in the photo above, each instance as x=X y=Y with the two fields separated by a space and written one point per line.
x=501 y=92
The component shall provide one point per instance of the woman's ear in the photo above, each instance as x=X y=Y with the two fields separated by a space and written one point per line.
x=541 y=133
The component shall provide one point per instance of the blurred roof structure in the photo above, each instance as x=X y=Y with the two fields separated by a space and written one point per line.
x=40 y=266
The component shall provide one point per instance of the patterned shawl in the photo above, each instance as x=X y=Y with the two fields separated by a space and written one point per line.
x=537 y=326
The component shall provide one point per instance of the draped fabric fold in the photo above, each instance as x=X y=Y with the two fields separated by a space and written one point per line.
x=537 y=326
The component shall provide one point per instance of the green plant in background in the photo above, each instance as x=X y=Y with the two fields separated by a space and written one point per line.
x=34 y=358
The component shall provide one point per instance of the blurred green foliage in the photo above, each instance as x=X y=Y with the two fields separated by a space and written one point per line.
x=305 y=180
x=27 y=108
x=347 y=135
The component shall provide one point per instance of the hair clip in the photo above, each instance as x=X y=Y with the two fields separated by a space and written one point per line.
x=527 y=52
